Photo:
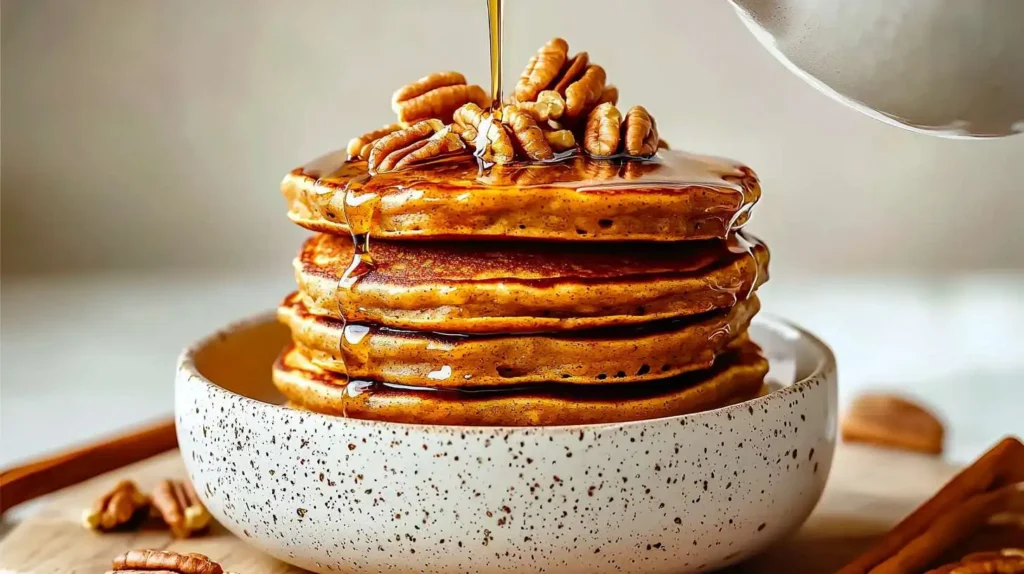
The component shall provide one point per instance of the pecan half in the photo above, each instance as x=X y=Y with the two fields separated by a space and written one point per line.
x=399 y=140
x=549 y=106
x=177 y=503
x=542 y=69
x=419 y=142
x=601 y=136
x=641 y=133
x=609 y=94
x=436 y=96
x=159 y=560
x=360 y=147
x=572 y=71
x=527 y=133
x=441 y=143
x=892 y=421
x=495 y=144
x=115 y=508
x=560 y=140
x=1005 y=561
x=584 y=93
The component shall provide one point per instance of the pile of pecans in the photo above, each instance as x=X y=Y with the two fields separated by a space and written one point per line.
x=173 y=501
x=560 y=103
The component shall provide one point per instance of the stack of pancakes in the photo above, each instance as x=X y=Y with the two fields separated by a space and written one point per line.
x=580 y=291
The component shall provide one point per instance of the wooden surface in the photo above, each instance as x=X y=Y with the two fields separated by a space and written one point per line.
x=869 y=490
x=71 y=467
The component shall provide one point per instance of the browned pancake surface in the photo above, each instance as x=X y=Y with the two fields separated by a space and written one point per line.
x=481 y=286
x=675 y=196
x=600 y=356
x=736 y=376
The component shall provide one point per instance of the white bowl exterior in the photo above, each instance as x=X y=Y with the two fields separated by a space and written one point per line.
x=689 y=493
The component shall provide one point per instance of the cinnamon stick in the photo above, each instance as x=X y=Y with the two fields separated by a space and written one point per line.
x=42 y=477
x=1002 y=465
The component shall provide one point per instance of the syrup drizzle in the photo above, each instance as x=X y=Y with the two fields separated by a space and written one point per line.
x=359 y=209
x=361 y=195
x=495 y=14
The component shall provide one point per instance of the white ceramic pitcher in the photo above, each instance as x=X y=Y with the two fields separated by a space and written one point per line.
x=947 y=67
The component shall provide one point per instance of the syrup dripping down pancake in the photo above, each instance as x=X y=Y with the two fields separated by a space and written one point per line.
x=736 y=376
x=505 y=287
x=672 y=197
x=599 y=356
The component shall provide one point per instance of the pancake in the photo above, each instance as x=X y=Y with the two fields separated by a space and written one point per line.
x=600 y=356
x=674 y=196
x=505 y=287
x=735 y=377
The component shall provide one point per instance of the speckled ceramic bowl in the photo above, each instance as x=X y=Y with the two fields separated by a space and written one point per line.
x=682 y=494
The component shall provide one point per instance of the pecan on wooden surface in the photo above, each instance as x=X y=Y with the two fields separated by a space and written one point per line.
x=436 y=96
x=179 y=506
x=117 y=507
x=163 y=561
x=892 y=421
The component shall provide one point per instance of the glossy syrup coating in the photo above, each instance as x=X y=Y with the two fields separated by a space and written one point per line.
x=649 y=351
x=505 y=287
x=568 y=291
x=673 y=196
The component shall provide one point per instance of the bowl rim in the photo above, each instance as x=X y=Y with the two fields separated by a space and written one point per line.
x=186 y=364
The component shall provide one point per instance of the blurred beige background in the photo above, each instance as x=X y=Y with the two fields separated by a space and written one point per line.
x=153 y=134
x=143 y=143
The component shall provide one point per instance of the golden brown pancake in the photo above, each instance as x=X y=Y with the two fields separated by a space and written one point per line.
x=675 y=196
x=735 y=377
x=504 y=287
x=598 y=356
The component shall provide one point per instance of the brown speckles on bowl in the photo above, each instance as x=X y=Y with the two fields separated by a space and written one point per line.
x=665 y=495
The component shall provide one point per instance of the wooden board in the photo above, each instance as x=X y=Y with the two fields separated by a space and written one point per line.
x=868 y=491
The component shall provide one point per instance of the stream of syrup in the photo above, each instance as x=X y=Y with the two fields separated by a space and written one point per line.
x=495 y=13
x=359 y=207
x=360 y=194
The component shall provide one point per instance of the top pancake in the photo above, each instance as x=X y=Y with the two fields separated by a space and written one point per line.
x=488 y=287
x=671 y=197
